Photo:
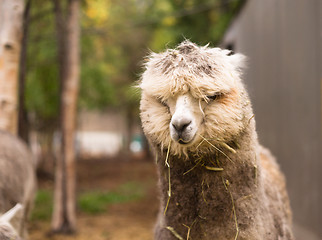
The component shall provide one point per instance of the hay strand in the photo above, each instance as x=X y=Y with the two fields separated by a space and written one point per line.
x=217 y=149
x=167 y=157
x=227 y=186
x=189 y=228
x=166 y=207
x=244 y=198
x=217 y=169
x=193 y=167
x=228 y=147
x=203 y=194
x=251 y=118
x=200 y=144
x=169 y=190
x=174 y=233
x=256 y=170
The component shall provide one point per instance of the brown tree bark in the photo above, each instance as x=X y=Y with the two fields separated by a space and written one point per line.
x=64 y=215
x=224 y=6
x=23 y=127
x=11 y=15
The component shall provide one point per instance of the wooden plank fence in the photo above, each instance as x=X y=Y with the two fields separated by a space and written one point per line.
x=283 y=42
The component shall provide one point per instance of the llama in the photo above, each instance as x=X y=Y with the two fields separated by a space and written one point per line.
x=8 y=221
x=17 y=178
x=216 y=181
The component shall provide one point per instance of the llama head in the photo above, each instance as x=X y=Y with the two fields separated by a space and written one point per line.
x=10 y=223
x=191 y=96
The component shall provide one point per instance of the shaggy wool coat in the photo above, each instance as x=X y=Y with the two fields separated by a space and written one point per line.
x=17 y=178
x=222 y=185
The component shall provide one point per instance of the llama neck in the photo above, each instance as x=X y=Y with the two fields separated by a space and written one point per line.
x=212 y=182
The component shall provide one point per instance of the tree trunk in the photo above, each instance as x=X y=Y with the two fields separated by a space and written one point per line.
x=64 y=216
x=224 y=6
x=23 y=128
x=11 y=15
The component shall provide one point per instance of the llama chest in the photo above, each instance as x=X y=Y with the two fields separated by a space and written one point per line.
x=199 y=198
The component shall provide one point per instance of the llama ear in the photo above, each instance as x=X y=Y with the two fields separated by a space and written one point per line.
x=13 y=216
x=238 y=60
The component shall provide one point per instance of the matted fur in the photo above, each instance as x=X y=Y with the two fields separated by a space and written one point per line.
x=247 y=199
x=201 y=71
x=10 y=223
x=7 y=232
x=17 y=178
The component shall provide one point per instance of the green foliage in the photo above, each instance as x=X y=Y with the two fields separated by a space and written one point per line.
x=95 y=202
x=96 y=91
x=42 y=96
x=90 y=202
x=42 y=85
x=201 y=21
x=43 y=205
x=116 y=35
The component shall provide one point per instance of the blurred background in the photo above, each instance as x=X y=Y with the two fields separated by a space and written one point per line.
x=116 y=195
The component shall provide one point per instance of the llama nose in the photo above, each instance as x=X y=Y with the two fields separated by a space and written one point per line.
x=181 y=124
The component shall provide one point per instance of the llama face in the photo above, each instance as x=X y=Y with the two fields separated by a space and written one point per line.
x=184 y=122
x=190 y=94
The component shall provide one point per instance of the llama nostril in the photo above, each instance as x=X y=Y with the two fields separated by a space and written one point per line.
x=180 y=126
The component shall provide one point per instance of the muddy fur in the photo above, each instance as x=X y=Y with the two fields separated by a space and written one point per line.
x=17 y=178
x=9 y=222
x=8 y=233
x=224 y=187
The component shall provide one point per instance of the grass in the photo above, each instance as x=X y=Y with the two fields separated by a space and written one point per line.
x=94 y=202
x=90 y=202
x=43 y=205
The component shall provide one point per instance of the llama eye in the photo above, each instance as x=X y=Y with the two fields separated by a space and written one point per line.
x=214 y=97
x=164 y=103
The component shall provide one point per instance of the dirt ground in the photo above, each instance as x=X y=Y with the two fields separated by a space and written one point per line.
x=122 y=221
